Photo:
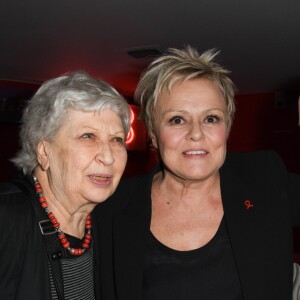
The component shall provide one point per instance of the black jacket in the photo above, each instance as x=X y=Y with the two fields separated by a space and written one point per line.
x=261 y=235
x=24 y=271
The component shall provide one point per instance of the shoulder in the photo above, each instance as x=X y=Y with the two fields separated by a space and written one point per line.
x=263 y=161
x=13 y=202
x=257 y=156
x=132 y=184
x=8 y=188
x=16 y=212
x=261 y=169
x=135 y=184
x=132 y=191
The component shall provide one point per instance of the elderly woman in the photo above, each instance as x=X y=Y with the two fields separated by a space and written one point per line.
x=203 y=224
x=73 y=155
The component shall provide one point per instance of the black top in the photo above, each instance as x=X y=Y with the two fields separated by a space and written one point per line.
x=77 y=273
x=206 y=273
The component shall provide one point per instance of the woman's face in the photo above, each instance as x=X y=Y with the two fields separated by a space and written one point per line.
x=190 y=129
x=86 y=158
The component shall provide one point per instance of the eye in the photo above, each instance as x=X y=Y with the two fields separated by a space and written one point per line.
x=88 y=136
x=212 y=119
x=118 y=139
x=176 y=120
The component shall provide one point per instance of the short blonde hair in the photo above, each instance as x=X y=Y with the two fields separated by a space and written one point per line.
x=181 y=65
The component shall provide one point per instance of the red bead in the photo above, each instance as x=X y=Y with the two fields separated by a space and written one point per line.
x=88 y=236
x=50 y=215
x=87 y=241
x=76 y=251
x=88 y=226
x=85 y=245
x=63 y=241
x=89 y=217
x=61 y=236
x=79 y=251
x=53 y=220
x=56 y=225
x=42 y=199
x=88 y=222
x=38 y=190
x=66 y=245
x=44 y=204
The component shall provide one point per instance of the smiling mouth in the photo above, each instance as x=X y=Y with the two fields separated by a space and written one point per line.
x=101 y=180
x=199 y=152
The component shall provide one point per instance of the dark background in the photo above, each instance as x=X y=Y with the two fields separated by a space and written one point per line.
x=258 y=40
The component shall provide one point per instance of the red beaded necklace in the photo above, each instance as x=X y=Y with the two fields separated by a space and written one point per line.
x=62 y=237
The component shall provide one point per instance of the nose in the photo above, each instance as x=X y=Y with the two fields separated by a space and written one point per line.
x=105 y=154
x=195 y=132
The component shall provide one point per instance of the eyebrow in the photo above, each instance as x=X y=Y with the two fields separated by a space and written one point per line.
x=185 y=111
x=88 y=127
x=164 y=112
x=120 y=131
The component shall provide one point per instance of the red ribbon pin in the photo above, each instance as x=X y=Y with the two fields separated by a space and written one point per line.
x=248 y=204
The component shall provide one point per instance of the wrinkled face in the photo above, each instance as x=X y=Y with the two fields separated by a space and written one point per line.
x=87 y=157
x=190 y=129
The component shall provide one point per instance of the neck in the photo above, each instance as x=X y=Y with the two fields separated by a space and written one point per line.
x=71 y=218
x=186 y=192
x=72 y=224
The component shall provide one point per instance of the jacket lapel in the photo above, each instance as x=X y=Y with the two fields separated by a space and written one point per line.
x=128 y=254
x=244 y=218
x=130 y=233
x=102 y=235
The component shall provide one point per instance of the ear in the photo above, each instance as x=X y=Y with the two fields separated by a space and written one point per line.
x=153 y=139
x=43 y=155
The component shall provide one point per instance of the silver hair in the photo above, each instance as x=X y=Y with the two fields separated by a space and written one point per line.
x=181 y=65
x=45 y=111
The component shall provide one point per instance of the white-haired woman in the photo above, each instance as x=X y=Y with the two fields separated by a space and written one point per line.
x=202 y=224
x=73 y=155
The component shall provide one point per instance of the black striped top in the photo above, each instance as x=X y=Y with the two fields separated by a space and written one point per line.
x=78 y=277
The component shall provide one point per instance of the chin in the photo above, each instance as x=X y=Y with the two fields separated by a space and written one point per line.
x=201 y=176
x=98 y=197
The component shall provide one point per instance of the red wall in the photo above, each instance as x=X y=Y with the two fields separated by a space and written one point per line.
x=261 y=124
